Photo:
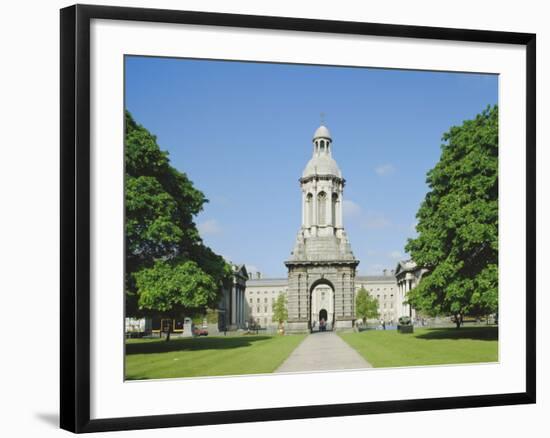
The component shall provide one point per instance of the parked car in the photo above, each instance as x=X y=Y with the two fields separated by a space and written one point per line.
x=200 y=331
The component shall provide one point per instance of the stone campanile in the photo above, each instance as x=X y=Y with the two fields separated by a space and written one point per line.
x=321 y=268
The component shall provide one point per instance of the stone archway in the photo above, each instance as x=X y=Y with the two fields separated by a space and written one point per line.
x=322 y=306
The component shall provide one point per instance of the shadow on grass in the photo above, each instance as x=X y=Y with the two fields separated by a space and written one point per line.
x=192 y=344
x=475 y=333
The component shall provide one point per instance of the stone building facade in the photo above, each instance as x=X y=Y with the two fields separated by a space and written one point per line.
x=261 y=294
x=384 y=289
x=232 y=310
x=407 y=275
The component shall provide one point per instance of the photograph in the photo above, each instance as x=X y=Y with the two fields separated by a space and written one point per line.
x=300 y=218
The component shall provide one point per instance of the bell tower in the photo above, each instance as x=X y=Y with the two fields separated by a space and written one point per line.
x=322 y=254
x=322 y=198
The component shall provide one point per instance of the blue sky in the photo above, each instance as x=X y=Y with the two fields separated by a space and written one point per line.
x=242 y=133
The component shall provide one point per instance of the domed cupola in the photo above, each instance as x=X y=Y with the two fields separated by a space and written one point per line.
x=322 y=132
x=322 y=162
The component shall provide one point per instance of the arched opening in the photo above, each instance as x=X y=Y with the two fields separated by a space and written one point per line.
x=309 y=209
x=322 y=306
x=322 y=145
x=322 y=208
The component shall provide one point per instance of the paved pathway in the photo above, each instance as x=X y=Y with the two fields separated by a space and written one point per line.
x=323 y=351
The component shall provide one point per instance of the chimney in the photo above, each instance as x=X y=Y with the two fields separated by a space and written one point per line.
x=385 y=271
x=258 y=275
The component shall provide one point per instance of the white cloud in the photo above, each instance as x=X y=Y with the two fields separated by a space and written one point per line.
x=375 y=222
x=385 y=169
x=210 y=226
x=350 y=209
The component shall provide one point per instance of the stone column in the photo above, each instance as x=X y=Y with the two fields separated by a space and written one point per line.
x=233 y=305
x=328 y=206
x=314 y=208
x=304 y=210
x=407 y=285
x=240 y=306
x=238 y=294
x=240 y=320
x=400 y=298
x=405 y=308
x=243 y=307
x=339 y=220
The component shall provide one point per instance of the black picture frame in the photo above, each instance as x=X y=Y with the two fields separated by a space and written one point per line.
x=75 y=217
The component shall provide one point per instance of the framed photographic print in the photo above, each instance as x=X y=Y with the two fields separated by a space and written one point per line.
x=271 y=218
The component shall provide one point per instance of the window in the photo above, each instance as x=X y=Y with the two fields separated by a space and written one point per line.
x=309 y=208
x=251 y=300
x=265 y=309
x=258 y=300
x=322 y=208
x=258 y=309
x=265 y=300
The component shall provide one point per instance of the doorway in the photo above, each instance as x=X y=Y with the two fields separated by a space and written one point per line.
x=322 y=307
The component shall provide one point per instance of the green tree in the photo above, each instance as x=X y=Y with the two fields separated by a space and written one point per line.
x=173 y=288
x=280 y=311
x=366 y=306
x=458 y=224
x=162 y=242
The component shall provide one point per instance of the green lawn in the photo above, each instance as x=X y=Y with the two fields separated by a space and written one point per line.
x=208 y=356
x=426 y=346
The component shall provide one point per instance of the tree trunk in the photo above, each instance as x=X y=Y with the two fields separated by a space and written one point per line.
x=169 y=330
x=458 y=321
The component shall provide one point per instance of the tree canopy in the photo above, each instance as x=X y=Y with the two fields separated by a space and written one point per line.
x=280 y=311
x=169 y=270
x=457 y=227
x=366 y=306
